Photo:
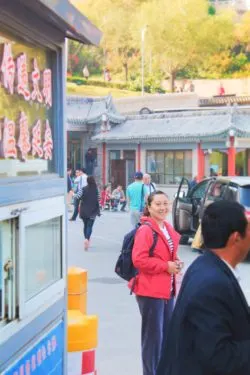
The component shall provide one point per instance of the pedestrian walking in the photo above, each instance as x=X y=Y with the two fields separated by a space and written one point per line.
x=80 y=182
x=70 y=191
x=85 y=72
x=136 y=198
x=210 y=326
x=89 y=208
x=155 y=283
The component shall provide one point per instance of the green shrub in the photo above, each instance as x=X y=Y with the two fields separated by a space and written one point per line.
x=152 y=84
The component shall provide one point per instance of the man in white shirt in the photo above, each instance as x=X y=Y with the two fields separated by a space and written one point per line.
x=80 y=182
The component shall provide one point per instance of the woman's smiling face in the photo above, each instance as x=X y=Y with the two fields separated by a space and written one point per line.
x=159 y=207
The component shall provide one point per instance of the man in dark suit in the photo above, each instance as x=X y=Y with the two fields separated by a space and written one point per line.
x=209 y=333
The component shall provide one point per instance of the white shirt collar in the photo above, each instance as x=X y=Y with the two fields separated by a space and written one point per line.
x=235 y=270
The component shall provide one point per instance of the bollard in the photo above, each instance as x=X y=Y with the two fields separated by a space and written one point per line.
x=82 y=328
x=77 y=289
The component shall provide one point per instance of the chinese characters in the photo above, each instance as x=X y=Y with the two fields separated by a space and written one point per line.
x=25 y=143
x=9 y=69
x=18 y=138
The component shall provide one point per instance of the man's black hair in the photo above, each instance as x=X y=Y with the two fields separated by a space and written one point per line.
x=84 y=170
x=220 y=220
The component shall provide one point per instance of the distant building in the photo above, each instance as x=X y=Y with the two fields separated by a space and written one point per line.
x=240 y=6
x=171 y=145
x=85 y=117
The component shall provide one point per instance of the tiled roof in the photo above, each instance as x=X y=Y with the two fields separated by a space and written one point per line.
x=181 y=126
x=82 y=111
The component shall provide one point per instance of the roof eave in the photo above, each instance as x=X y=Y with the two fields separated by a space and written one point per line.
x=68 y=19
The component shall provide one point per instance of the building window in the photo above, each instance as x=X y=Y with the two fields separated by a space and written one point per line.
x=217 y=163
x=242 y=162
x=42 y=256
x=168 y=167
x=8 y=290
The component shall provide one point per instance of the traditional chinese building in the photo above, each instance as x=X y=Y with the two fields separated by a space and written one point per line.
x=174 y=144
x=85 y=116
x=33 y=267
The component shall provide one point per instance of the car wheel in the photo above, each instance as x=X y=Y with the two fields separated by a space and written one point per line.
x=184 y=239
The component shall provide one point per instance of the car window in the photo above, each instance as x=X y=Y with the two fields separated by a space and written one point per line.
x=216 y=191
x=244 y=195
x=199 y=190
x=231 y=193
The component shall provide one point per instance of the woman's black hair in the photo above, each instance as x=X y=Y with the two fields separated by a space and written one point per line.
x=150 y=200
x=91 y=181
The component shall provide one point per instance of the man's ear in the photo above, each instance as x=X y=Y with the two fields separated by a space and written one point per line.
x=233 y=238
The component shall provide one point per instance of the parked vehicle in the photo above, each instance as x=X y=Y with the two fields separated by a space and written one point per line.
x=189 y=203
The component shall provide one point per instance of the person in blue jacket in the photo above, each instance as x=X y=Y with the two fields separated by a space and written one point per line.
x=209 y=333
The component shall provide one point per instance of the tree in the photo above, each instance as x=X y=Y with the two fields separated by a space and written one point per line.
x=184 y=34
x=114 y=20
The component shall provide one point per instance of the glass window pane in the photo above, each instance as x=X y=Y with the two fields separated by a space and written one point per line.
x=179 y=163
x=160 y=162
x=7 y=270
x=188 y=163
x=169 y=162
x=43 y=256
x=242 y=163
x=218 y=163
x=151 y=162
x=245 y=195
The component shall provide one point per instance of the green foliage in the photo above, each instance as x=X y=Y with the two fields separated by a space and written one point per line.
x=96 y=82
x=211 y=10
x=189 y=40
x=152 y=85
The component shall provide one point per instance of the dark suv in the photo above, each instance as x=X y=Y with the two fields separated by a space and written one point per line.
x=189 y=203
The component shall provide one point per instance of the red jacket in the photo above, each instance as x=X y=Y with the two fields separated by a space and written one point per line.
x=153 y=280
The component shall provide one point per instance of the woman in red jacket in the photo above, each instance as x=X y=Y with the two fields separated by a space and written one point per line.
x=155 y=284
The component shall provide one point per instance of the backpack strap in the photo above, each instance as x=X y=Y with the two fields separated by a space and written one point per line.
x=155 y=238
x=151 y=252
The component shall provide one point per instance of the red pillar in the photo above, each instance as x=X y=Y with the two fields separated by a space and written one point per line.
x=231 y=157
x=139 y=157
x=104 y=163
x=201 y=163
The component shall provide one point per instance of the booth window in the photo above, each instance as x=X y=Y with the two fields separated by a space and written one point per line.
x=8 y=290
x=42 y=256
x=168 y=167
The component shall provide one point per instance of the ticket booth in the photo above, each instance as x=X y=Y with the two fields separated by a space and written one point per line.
x=33 y=182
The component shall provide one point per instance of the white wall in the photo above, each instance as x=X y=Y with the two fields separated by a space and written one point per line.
x=209 y=87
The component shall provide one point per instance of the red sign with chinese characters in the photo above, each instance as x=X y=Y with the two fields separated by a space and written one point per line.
x=37 y=140
x=35 y=79
x=18 y=139
x=8 y=141
x=48 y=142
x=7 y=69
x=22 y=77
x=24 y=136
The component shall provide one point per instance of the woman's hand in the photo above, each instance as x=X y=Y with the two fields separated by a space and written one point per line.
x=173 y=268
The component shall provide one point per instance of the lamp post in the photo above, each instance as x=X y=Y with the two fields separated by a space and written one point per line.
x=143 y=31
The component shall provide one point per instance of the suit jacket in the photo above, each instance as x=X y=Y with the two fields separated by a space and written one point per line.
x=209 y=333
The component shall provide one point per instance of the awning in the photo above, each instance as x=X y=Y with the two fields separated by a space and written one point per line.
x=67 y=18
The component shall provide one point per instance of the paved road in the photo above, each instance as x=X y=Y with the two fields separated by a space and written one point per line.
x=119 y=321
